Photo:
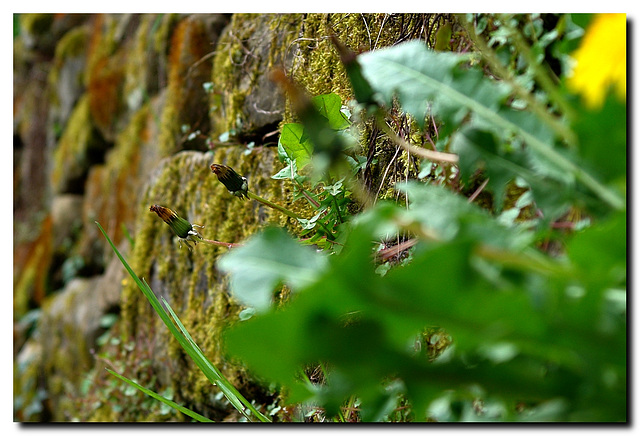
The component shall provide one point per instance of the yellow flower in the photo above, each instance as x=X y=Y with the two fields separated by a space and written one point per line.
x=601 y=60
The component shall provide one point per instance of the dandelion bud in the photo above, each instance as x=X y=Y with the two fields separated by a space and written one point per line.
x=181 y=227
x=235 y=183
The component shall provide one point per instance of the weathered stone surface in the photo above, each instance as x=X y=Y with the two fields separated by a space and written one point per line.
x=135 y=122
x=251 y=47
x=66 y=215
x=60 y=351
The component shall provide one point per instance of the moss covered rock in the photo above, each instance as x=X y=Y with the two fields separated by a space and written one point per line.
x=141 y=126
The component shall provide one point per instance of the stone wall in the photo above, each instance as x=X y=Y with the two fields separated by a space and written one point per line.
x=114 y=113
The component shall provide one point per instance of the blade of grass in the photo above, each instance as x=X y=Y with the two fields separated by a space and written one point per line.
x=158 y=397
x=187 y=343
x=229 y=390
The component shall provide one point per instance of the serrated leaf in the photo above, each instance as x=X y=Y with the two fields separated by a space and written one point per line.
x=452 y=216
x=266 y=260
x=424 y=80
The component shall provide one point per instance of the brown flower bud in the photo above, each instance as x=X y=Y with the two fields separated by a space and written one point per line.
x=235 y=183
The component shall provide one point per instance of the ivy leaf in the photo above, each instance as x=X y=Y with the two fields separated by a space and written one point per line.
x=266 y=260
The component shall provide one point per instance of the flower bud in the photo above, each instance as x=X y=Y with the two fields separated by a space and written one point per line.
x=235 y=184
x=181 y=227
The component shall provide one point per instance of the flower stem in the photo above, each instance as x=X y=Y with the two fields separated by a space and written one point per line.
x=277 y=207
x=218 y=243
x=285 y=211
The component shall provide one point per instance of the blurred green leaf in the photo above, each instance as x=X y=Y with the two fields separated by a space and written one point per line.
x=451 y=215
x=424 y=81
x=266 y=260
x=479 y=150
x=602 y=137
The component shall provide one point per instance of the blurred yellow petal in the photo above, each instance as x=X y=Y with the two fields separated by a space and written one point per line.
x=601 y=60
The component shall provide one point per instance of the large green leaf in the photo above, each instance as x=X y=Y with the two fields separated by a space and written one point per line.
x=513 y=340
x=423 y=80
x=268 y=259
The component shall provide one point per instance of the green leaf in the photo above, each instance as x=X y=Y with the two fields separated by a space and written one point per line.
x=158 y=397
x=329 y=106
x=296 y=144
x=602 y=137
x=423 y=81
x=266 y=260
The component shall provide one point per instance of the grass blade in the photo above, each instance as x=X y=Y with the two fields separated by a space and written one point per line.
x=158 y=397
x=212 y=373
x=187 y=342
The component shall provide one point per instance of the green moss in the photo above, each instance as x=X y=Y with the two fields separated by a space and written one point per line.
x=186 y=102
x=163 y=25
x=71 y=155
x=36 y=24
x=73 y=43
x=243 y=59
x=137 y=74
x=122 y=175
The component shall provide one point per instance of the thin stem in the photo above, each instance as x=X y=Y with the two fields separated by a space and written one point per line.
x=478 y=191
x=307 y=195
x=277 y=207
x=433 y=155
x=218 y=243
x=285 y=211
